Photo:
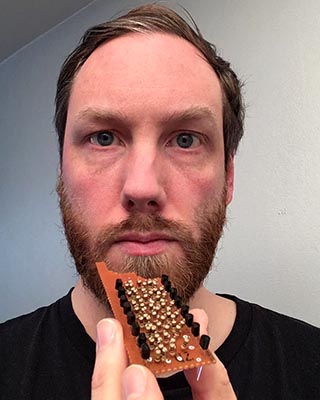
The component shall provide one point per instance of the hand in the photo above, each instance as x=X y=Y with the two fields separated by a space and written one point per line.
x=113 y=376
x=214 y=383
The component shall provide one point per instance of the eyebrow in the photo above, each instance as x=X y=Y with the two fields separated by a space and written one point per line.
x=95 y=114
x=193 y=113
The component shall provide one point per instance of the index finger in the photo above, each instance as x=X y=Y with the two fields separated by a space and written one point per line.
x=214 y=382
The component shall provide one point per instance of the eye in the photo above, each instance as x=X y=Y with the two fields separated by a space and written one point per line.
x=186 y=140
x=103 y=138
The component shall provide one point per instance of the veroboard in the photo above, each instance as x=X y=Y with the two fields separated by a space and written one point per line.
x=159 y=332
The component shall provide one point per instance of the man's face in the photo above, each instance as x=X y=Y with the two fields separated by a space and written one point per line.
x=143 y=182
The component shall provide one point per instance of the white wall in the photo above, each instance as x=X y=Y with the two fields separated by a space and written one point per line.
x=271 y=247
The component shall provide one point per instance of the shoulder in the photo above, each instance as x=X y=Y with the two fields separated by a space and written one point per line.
x=294 y=342
x=20 y=342
x=36 y=351
x=280 y=324
x=25 y=323
x=258 y=329
x=285 y=341
x=273 y=322
x=272 y=355
x=275 y=338
x=23 y=337
x=28 y=330
x=22 y=325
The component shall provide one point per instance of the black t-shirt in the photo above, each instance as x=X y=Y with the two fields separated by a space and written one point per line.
x=47 y=355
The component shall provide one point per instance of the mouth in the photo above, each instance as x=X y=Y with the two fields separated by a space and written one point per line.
x=144 y=244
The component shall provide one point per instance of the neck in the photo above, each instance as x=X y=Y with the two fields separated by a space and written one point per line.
x=88 y=309
x=221 y=312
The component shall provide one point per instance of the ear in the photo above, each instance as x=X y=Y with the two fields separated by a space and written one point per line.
x=230 y=179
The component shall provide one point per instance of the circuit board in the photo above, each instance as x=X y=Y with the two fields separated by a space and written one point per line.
x=159 y=331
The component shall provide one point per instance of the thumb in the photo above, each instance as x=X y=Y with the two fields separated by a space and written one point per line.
x=139 y=383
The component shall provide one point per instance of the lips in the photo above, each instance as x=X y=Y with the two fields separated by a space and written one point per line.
x=143 y=244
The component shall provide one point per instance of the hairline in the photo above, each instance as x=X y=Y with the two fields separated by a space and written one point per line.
x=127 y=24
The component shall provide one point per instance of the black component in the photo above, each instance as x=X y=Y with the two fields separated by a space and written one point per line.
x=126 y=307
x=204 y=341
x=142 y=338
x=189 y=319
x=195 y=329
x=123 y=299
x=178 y=301
x=167 y=285
x=121 y=291
x=184 y=310
x=130 y=317
x=145 y=351
x=118 y=283
x=173 y=293
x=135 y=328
x=164 y=278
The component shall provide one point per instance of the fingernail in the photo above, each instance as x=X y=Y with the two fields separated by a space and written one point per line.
x=105 y=332
x=135 y=382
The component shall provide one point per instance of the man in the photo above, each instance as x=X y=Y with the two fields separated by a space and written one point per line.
x=149 y=119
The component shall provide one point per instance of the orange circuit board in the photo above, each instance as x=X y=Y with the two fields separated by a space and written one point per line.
x=159 y=332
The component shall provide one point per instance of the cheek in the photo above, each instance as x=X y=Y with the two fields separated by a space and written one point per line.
x=92 y=192
x=195 y=194
x=197 y=187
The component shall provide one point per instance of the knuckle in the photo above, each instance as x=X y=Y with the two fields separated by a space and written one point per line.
x=97 y=380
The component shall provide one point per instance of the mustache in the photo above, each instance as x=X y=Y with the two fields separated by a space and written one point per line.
x=141 y=223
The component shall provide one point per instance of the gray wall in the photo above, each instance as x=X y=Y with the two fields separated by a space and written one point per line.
x=271 y=247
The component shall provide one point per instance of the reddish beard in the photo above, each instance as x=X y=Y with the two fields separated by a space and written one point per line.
x=186 y=271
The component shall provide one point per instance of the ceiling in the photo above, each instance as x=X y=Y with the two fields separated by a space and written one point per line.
x=22 y=21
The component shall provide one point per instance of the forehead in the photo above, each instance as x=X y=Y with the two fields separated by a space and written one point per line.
x=146 y=72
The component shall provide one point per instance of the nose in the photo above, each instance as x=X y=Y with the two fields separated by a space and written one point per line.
x=143 y=189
